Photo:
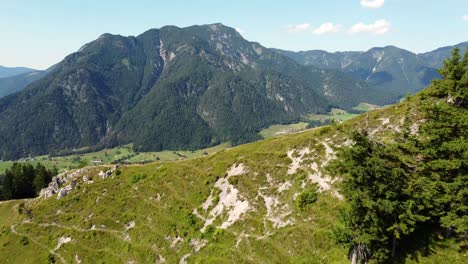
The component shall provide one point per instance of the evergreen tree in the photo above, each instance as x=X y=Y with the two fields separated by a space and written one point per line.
x=24 y=177
x=379 y=208
x=25 y=181
x=42 y=178
x=443 y=145
x=7 y=186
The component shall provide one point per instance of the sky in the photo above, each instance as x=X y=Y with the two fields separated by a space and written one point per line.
x=40 y=33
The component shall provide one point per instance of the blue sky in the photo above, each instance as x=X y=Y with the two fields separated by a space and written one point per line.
x=40 y=33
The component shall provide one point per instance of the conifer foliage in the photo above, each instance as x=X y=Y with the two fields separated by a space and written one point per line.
x=25 y=181
x=444 y=145
x=419 y=182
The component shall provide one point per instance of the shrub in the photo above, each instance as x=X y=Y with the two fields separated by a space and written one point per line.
x=51 y=258
x=24 y=241
x=306 y=198
x=137 y=177
x=233 y=180
x=217 y=234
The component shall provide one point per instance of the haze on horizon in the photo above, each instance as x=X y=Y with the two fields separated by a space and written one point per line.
x=39 y=34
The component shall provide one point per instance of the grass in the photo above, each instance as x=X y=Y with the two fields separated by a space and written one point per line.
x=122 y=154
x=336 y=117
x=175 y=155
x=278 y=130
x=364 y=107
x=183 y=186
x=335 y=114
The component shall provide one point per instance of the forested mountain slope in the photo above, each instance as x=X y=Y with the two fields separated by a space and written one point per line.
x=169 y=88
x=390 y=68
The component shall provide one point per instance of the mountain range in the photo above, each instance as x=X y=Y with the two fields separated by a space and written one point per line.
x=390 y=68
x=16 y=83
x=169 y=88
x=190 y=88
x=11 y=71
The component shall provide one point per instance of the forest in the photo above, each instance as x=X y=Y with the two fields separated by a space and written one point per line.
x=24 y=180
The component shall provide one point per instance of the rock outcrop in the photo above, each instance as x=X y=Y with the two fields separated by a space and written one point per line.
x=65 y=182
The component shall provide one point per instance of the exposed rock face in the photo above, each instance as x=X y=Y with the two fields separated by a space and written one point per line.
x=65 y=182
x=64 y=191
x=229 y=201
x=108 y=173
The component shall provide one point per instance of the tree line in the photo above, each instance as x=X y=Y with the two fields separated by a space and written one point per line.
x=400 y=195
x=23 y=180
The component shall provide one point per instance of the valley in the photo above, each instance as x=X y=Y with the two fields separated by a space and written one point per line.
x=127 y=155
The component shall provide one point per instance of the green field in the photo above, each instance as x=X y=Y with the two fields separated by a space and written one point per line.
x=169 y=155
x=338 y=115
x=364 y=107
x=122 y=154
x=335 y=114
x=278 y=130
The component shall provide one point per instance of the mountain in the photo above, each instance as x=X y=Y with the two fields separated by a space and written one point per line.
x=16 y=83
x=11 y=71
x=169 y=88
x=436 y=57
x=247 y=204
x=390 y=68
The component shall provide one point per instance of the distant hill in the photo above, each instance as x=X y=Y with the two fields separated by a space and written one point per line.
x=16 y=83
x=169 y=88
x=390 y=68
x=436 y=57
x=11 y=71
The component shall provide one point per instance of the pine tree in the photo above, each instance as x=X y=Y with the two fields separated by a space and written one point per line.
x=379 y=208
x=42 y=178
x=7 y=186
x=25 y=181
x=443 y=145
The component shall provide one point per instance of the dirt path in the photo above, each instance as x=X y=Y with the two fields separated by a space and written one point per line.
x=13 y=230
x=79 y=229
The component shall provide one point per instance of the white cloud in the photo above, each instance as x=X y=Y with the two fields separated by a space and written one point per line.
x=298 y=28
x=379 y=27
x=327 y=28
x=465 y=18
x=240 y=30
x=372 y=3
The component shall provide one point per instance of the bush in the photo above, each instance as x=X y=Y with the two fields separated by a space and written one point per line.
x=217 y=234
x=51 y=258
x=233 y=180
x=24 y=241
x=306 y=198
x=136 y=178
